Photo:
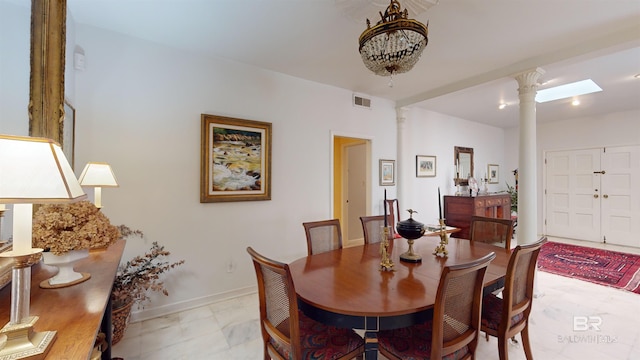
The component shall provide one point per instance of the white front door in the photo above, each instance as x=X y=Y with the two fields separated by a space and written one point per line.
x=594 y=194
x=573 y=194
x=621 y=196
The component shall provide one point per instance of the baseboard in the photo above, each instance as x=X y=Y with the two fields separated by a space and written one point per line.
x=146 y=314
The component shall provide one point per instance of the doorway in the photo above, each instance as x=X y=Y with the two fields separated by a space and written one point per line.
x=351 y=184
x=592 y=194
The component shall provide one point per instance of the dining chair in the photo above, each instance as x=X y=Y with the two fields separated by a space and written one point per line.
x=505 y=317
x=453 y=331
x=323 y=235
x=288 y=333
x=371 y=228
x=491 y=230
x=394 y=215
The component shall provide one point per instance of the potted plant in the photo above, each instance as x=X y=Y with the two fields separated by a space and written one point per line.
x=135 y=280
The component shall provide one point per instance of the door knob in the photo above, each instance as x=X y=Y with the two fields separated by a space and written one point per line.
x=605 y=196
x=595 y=196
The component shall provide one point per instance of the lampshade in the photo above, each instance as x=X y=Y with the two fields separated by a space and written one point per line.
x=35 y=171
x=394 y=44
x=98 y=174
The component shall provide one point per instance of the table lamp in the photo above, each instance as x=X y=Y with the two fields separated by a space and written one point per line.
x=32 y=171
x=98 y=175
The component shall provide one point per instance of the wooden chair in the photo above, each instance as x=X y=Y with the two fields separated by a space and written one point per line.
x=506 y=317
x=371 y=226
x=289 y=334
x=453 y=332
x=491 y=230
x=394 y=215
x=322 y=236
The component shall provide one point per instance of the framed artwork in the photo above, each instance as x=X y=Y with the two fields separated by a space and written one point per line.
x=425 y=166
x=68 y=132
x=235 y=159
x=387 y=172
x=493 y=171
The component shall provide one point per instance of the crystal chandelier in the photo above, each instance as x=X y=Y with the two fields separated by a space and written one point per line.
x=394 y=44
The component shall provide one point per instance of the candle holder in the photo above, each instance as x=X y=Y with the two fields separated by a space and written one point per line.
x=441 y=249
x=385 y=264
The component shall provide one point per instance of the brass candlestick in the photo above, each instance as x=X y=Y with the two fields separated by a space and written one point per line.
x=441 y=249
x=385 y=264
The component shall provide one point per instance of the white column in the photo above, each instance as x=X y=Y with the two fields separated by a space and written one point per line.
x=527 y=198
x=402 y=146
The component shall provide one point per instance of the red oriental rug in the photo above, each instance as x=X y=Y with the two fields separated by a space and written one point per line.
x=604 y=267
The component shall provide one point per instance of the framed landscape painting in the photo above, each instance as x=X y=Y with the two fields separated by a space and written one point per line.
x=235 y=159
x=387 y=172
x=425 y=166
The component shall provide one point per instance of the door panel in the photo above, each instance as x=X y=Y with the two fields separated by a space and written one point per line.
x=620 y=198
x=572 y=194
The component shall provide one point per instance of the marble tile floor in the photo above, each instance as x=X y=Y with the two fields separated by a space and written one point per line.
x=229 y=330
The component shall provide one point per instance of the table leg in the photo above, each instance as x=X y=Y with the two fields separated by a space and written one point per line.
x=370 y=346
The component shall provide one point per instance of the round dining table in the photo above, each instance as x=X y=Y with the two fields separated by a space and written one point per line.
x=348 y=288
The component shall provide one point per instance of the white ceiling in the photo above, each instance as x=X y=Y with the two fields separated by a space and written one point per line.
x=466 y=70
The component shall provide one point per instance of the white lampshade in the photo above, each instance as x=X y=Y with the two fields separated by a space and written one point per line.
x=98 y=174
x=35 y=171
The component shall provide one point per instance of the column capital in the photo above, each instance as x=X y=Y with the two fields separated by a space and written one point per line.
x=528 y=80
x=401 y=114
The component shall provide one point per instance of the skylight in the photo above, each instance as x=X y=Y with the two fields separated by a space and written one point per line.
x=567 y=90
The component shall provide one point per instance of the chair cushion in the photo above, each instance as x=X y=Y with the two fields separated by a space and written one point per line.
x=492 y=313
x=319 y=341
x=413 y=343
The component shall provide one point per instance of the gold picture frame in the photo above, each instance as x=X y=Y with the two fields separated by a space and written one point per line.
x=235 y=159
x=387 y=172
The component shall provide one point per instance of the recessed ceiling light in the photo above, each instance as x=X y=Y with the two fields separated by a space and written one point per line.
x=567 y=90
x=637 y=76
x=502 y=106
x=575 y=102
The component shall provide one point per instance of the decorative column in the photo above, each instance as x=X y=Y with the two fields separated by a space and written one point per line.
x=527 y=190
x=402 y=144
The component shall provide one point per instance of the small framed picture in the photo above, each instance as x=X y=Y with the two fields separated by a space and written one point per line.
x=387 y=172
x=493 y=172
x=425 y=166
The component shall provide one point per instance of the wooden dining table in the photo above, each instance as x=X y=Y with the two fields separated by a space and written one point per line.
x=347 y=288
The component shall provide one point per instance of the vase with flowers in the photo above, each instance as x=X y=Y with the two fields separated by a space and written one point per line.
x=67 y=232
x=135 y=280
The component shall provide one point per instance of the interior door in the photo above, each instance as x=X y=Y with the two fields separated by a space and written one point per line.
x=620 y=195
x=573 y=194
x=356 y=190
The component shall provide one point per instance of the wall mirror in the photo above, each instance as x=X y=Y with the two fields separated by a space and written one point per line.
x=463 y=157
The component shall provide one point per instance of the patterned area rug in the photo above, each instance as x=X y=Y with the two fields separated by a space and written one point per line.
x=604 y=267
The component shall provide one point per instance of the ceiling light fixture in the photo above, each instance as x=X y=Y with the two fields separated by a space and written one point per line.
x=575 y=102
x=394 y=44
x=502 y=106
x=567 y=90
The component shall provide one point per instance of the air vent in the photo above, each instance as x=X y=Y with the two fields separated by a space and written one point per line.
x=361 y=101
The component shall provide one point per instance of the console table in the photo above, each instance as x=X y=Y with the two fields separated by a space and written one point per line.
x=458 y=210
x=76 y=312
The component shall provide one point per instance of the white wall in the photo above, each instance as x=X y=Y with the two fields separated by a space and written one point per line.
x=616 y=129
x=138 y=108
x=431 y=133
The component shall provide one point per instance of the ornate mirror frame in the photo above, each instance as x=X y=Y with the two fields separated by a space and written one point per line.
x=46 y=87
x=463 y=161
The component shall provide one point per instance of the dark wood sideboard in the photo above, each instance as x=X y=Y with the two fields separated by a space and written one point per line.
x=76 y=312
x=458 y=210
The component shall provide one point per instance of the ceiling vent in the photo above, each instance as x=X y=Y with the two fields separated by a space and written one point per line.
x=361 y=101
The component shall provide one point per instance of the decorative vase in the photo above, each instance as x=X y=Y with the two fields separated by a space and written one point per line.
x=119 y=321
x=410 y=229
x=66 y=276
